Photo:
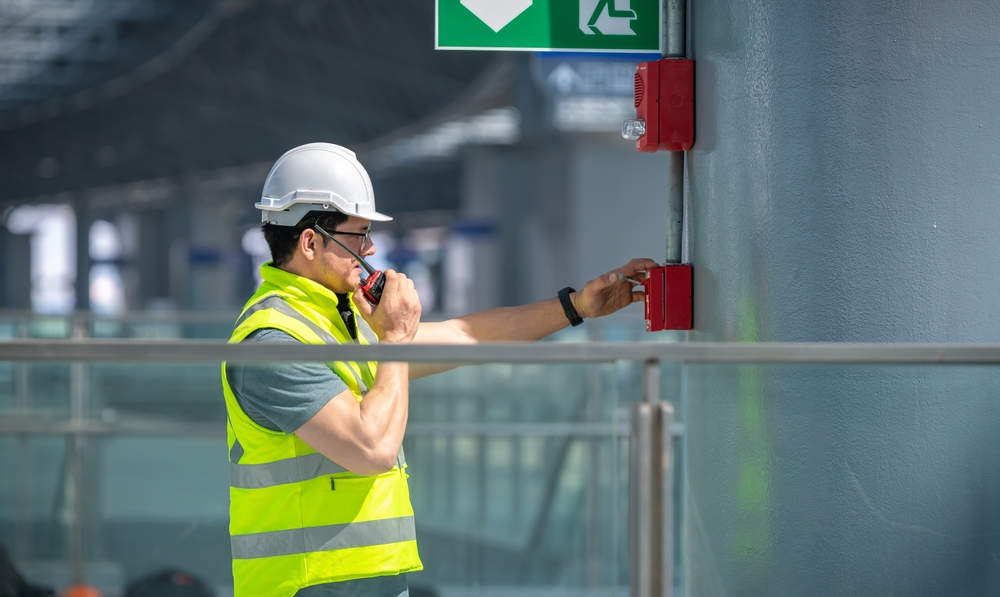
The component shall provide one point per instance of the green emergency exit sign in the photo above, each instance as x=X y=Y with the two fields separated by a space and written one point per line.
x=541 y=25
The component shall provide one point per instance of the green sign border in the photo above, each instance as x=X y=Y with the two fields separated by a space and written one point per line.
x=467 y=21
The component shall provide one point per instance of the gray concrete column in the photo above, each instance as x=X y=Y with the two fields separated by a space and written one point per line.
x=844 y=187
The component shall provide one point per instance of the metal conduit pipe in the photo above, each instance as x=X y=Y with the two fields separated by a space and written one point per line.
x=674 y=45
x=674 y=29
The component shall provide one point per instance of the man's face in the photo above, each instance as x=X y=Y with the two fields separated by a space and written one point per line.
x=336 y=268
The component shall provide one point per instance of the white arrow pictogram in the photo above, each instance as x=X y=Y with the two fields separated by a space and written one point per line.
x=497 y=13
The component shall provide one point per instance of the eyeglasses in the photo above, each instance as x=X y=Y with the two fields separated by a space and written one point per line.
x=364 y=236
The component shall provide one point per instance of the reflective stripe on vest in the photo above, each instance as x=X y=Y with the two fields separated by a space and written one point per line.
x=325 y=538
x=281 y=306
x=280 y=472
x=289 y=470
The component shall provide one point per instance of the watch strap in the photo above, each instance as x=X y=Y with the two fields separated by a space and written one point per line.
x=567 y=305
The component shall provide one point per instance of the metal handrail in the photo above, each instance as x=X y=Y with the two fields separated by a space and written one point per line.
x=29 y=424
x=787 y=353
x=142 y=317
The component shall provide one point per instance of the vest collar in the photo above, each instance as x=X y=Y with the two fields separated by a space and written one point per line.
x=298 y=288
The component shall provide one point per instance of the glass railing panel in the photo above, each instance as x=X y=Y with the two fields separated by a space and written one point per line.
x=164 y=501
x=143 y=326
x=50 y=327
x=518 y=473
x=188 y=392
x=36 y=388
x=12 y=328
x=518 y=478
x=542 y=487
x=137 y=390
x=33 y=490
x=9 y=386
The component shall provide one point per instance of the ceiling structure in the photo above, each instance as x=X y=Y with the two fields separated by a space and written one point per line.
x=103 y=93
x=57 y=53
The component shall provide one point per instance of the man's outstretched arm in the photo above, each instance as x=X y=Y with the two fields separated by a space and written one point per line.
x=601 y=296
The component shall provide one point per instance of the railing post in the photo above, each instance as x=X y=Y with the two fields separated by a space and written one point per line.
x=76 y=450
x=650 y=491
x=665 y=437
x=640 y=511
x=25 y=513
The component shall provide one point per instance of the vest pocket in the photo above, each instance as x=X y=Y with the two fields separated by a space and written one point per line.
x=354 y=499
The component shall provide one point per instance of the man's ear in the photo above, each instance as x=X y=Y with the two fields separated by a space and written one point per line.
x=307 y=244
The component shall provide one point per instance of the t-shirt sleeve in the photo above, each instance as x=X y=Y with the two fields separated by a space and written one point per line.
x=282 y=396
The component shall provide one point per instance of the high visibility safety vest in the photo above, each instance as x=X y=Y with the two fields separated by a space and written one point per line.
x=298 y=519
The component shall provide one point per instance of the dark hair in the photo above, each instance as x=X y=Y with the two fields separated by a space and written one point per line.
x=282 y=240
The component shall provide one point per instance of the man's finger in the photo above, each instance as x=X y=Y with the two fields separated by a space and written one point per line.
x=601 y=283
x=364 y=307
x=638 y=297
x=644 y=262
x=637 y=265
x=623 y=278
x=391 y=282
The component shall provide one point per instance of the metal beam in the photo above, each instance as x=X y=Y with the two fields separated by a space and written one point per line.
x=161 y=351
x=48 y=425
x=140 y=317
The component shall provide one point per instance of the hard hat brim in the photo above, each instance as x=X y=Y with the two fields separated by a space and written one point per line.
x=288 y=210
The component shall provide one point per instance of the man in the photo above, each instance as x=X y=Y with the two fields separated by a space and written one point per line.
x=319 y=504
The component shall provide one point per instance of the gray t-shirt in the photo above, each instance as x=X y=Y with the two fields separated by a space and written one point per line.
x=282 y=397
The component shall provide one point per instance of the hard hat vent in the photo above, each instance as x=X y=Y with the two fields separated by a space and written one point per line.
x=639 y=88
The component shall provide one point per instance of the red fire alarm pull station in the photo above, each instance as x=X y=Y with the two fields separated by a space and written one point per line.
x=668 y=298
x=664 y=106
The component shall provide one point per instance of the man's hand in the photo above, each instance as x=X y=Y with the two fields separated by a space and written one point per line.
x=396 y=317
x=607 y=294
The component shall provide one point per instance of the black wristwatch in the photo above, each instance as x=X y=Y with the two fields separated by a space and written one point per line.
x=567 y=305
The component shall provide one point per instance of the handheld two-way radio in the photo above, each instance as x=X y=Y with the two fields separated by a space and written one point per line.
x=372 y=286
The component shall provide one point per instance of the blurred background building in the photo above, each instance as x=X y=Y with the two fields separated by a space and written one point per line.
x=135 y=136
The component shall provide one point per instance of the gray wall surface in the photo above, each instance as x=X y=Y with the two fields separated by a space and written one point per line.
x=844 y=187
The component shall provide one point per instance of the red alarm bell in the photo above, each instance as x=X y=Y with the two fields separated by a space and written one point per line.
x=664 y=106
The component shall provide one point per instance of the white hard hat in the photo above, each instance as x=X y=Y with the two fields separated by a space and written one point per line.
x=317 y=176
